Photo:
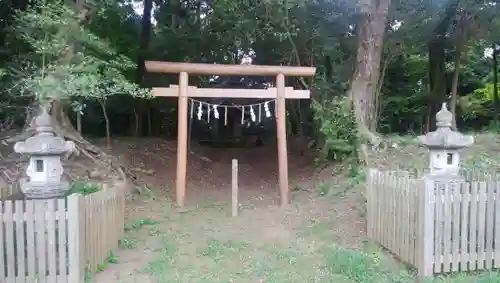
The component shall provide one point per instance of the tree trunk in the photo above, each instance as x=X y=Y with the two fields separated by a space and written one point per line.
x=437 y=71
x=142 y=106
x=380 y=84
x=144 y=39
x=454 y=84
x=102 y=102
x=371 y=32
x=79 y=122
x=496 y=100
x=437 y=80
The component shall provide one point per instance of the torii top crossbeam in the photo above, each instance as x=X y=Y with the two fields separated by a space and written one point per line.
x=222 y=69
x=183 y=91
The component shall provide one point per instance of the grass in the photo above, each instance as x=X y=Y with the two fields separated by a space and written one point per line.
x=222 y=260
x=275 y=246
x=127 y=243
x=309 y=254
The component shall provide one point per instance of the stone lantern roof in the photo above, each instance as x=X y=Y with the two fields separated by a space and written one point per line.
x=444 y=137
x=44 y=142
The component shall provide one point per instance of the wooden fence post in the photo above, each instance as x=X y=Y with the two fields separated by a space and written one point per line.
x=425 y=234
x=234 y=187
x=76 y=238
x=369 y=191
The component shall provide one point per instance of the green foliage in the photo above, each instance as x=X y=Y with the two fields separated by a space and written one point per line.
x=323 y=188
x=140 y=223
x=479 y=103
x=67 y=60
x=362 y=267
x=493 y=127
x=110 y=259
x=403 y=97
x=84 y=188
x=337 y=126
x=54 y=55
x=127 y=243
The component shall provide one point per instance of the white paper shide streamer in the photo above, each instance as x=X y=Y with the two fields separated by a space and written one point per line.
x=200 y=111
x=225 y=115
x=266 y=109
x=214 y=108
x=208 y=113
x=252 y=114
x=216 y=111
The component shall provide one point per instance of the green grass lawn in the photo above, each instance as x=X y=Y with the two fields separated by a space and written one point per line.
x=203 y=253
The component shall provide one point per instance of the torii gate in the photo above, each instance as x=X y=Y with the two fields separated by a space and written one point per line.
x=183 y=91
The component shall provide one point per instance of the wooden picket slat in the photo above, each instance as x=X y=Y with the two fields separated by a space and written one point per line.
x=21 y=267
x=3 y=247
x=51 y=241
x=447 y=217
x=456 y=195
x=41 y=249
x=404 y=243
x=496 y=242
x=62 y=238
x=10 y=241
x=490 y=204
x=438 y=230
x=481 y=226
x=410 y=234
x=30 y=238
x=472 y=227
x=464 y=231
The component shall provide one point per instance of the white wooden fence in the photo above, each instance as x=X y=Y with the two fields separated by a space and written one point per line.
x=58 y=240
x=436 y=227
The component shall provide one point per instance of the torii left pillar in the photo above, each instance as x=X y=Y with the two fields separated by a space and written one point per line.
x=182 y=139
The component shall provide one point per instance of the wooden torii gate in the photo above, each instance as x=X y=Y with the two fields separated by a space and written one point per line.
x=183 y=91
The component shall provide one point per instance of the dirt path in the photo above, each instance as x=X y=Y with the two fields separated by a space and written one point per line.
x=203 y=243
x=209 y=169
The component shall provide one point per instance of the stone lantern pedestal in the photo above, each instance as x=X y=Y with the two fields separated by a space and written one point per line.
x=45 y=169
x=444 y=145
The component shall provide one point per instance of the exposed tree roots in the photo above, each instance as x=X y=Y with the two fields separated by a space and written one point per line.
x=104 y=167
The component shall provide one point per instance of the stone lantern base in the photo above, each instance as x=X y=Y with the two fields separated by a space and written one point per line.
x=44 y=190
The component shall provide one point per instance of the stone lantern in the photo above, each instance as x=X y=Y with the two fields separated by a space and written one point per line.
x=444 y=145
x=45 y=168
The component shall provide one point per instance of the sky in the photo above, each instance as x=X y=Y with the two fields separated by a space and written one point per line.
x=139 y=7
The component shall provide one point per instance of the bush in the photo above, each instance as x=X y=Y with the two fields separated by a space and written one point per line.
x=337 y=128
x=84 y=188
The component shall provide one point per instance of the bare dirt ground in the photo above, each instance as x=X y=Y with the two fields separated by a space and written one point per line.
x=203 y=243
x=320 y=237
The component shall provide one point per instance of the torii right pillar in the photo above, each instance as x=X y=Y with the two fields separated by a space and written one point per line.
x=281 y=137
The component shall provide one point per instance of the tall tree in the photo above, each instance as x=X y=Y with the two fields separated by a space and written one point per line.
x=437 y=60
x=364 y=85
x=460 y=41
x=496 y=100
x=141 y=107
